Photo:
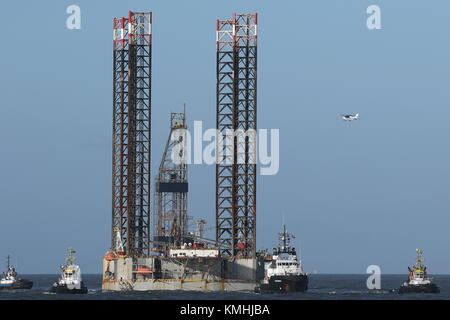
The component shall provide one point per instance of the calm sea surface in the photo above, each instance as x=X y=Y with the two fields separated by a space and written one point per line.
x=336 y=287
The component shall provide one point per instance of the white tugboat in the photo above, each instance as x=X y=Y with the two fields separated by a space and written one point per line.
x=418 y=281
x=70 y=279
x=11 y=281
x=283 y=272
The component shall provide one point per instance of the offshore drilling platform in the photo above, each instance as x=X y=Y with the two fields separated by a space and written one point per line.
x=169 y=256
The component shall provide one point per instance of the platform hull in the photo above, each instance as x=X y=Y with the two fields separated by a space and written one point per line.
x=191 y=285
x=190 y=274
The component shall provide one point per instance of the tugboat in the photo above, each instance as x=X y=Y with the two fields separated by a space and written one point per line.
x=11 y=281
x=70 y=279
x=418 y=282
x=283 y=272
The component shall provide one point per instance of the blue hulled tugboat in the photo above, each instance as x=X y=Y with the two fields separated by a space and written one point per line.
x=11 y=281
x=70 y=279
x=418 y=281
x=283 y=272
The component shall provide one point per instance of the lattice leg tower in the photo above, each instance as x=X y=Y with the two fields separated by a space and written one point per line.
x=132 y=132
x=236 y=122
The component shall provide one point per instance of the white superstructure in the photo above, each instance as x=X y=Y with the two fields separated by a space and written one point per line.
x=418 y=274
x=70 y=273
x=193 y=252
x=284 y=260
x=10 y=276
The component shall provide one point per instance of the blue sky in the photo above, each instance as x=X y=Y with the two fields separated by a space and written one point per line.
x=355 y=194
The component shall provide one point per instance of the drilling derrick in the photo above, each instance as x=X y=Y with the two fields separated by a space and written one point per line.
x=171 y=188
x=131 y=133
x=236 y=122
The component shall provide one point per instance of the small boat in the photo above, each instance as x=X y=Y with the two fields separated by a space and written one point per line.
x=11 y=281
x=70 y=279
x=283 y=272
x=418 y=281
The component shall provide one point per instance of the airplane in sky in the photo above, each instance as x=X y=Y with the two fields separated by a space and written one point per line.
x=350 y=117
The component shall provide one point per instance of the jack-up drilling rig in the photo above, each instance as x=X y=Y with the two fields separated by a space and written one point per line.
x=174 y=258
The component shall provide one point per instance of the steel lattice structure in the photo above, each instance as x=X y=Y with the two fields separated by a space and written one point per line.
x=131 y=133
x=171 y=187
x=236 y=122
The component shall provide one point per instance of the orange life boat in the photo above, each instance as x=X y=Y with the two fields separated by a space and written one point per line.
x=109 y=256
x=142 y=270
